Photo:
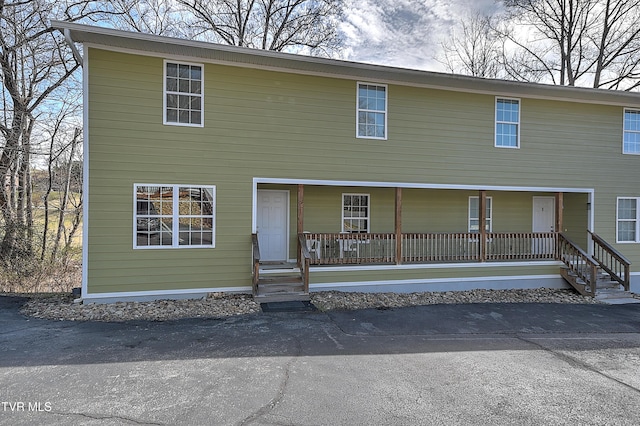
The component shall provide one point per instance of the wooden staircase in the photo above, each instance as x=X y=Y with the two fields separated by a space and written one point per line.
x=280 y=283
x=603 y=275
x=605 y=287
x=280 y=286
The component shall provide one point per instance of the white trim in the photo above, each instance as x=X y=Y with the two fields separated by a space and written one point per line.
x=625 y=131
x=164 y=93
x=637 y=220
x=160 y=293
x=385 y=112
x=288 y=219
x=393 y=267
x=288 y=181
x=175 y=218
x=416 y=185
x=490 y=217
x=85 y=174
x=427 y=281
x=496 y=122
x=367 y=218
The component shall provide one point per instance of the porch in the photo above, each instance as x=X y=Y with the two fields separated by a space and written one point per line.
x=542 y=212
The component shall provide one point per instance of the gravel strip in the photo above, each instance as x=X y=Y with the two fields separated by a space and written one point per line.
x=220 y=305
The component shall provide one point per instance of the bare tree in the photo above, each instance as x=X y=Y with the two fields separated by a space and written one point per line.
x=473 y=48
x=594 y=43
x=34 y=65
x=269 y=24
x=575 y=42
x=160 y=17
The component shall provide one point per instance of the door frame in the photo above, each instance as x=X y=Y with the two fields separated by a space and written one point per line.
x=533 y=211
x=287 y=218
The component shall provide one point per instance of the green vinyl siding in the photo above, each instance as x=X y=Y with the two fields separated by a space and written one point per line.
x=270 y=124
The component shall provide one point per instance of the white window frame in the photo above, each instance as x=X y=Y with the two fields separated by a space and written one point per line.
x=359 y=110
x=495 y=126
x=367 y=218
x=636 y=220
x=625 y=131
x=175 y=217
x=476 y=212
x=165 y=93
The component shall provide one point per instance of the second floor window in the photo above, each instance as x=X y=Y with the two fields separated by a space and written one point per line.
x=631 y=142
x=183 y=100
x=372 y=111
x=507 y=123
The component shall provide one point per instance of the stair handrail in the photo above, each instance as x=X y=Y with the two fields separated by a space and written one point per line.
x=576 y=257
x=613 y=262
x=255 y=248
x=305 y=260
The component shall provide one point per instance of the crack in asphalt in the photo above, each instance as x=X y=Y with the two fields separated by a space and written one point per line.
x=577 y=363
x=265 y=409
x=97 y=417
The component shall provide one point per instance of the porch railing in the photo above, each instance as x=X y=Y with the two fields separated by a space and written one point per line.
x=611 y=261
x=255 y=248
x=521 y=246
x=380 y=248
x=440 y=247
x=304 y=262
x=581 y=265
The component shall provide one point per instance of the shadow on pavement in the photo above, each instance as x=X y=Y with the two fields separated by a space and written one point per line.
x=422 y=329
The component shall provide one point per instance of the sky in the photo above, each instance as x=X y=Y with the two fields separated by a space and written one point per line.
x=404 y=33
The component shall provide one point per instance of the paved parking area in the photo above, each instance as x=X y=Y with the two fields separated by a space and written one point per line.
x=442 y=364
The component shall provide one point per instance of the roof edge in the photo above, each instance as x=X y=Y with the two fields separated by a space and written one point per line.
x=312 y=65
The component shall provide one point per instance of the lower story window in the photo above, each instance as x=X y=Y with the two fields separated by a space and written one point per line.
x=474 y=214
x=355 y=213
x=174 y=216
x=628 y=217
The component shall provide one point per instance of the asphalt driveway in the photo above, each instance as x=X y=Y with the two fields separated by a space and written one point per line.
x=440 y=364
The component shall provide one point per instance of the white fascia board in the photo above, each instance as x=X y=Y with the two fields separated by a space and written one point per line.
x=414 y=185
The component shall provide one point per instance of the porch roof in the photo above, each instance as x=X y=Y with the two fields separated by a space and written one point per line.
x=417 y=185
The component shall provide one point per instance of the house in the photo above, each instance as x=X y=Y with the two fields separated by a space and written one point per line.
x=217 y=168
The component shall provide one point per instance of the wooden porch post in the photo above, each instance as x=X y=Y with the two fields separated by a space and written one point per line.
x=398 y=226
x=300 y=226
x=482 y=220
x=559 y=211
x=559 y=220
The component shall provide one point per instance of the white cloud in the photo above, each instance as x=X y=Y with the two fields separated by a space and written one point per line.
x=403 y=33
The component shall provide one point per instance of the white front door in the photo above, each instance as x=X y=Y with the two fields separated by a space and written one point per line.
x=272 y=225
x=544 y=220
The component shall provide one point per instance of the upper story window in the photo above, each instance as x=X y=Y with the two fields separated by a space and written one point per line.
x=372 y=111
x=628 y=217
x=355 y=213
x=183 y=94
x=631 y=138
x=507 y=123
x=167 y=216
x=474 y=214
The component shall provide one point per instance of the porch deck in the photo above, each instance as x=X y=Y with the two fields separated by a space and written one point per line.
x=581 y=270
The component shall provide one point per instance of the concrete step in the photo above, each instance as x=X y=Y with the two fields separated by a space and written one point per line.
x=612 y=293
